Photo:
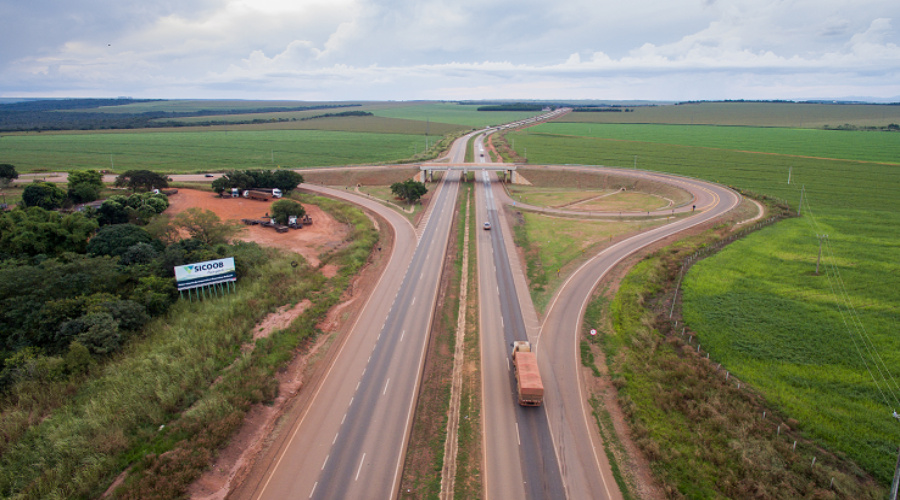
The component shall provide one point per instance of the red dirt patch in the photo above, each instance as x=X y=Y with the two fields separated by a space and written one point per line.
x=279 y=320
x=324 y=234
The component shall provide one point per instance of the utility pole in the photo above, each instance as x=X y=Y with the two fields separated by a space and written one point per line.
x=789 y=175
x=821 y=237
x=896 y=482
x=800 y=206
x=635 y=162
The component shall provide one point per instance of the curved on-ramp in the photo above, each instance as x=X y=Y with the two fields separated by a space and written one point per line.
x=582 y=463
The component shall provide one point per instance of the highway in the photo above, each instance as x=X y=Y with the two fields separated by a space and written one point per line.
x=350 y=439
x=520 y=460
x=521 y=463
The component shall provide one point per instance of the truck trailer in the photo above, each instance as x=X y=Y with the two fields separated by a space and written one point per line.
x=528 y=378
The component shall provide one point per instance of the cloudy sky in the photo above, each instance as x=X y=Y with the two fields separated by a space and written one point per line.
x=438 y=49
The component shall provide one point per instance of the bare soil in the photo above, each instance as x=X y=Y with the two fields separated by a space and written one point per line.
x=234 y=463
x=324 y=234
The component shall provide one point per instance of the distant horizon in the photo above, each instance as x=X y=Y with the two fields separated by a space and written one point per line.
x=637 y=102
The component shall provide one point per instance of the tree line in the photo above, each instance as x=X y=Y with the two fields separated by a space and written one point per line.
x=83 y=114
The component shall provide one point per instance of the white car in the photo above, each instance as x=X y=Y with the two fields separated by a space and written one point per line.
x=487 y=225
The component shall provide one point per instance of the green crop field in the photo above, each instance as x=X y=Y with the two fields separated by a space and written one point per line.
x=759 y=308
x=842 y=144
x=457 y=114
x=185 y=151
x=765 y=114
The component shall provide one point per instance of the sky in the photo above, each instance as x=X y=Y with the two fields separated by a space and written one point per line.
x=327 y=50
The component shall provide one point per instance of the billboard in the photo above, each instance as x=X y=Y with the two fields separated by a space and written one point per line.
x=206 y=273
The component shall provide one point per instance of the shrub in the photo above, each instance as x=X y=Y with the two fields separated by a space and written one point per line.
x=284 y=208
x=44 y=195
x=116 y=239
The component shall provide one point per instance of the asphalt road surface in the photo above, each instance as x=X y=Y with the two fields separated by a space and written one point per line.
x=520 y=460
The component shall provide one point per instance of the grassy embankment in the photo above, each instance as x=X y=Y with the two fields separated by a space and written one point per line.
x=705 y=432
x=164 y=406
x=758 y=307
x=469 y=483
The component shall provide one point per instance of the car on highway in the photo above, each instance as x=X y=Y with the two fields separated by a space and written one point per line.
x=208 y=175
x=487 y=225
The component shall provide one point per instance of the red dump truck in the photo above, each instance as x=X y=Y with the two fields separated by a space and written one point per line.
x=528 y=378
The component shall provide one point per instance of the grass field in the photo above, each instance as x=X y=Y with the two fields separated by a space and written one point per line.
x=553 y=246
x=758 y=306
x=755 y=114
x=458 y=114
x=187 y=151
x=840 y=144
x=586 y=201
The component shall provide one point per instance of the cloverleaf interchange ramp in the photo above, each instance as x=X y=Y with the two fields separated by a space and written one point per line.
x=349 y=439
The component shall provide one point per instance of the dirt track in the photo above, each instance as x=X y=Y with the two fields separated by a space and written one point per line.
x=325 y=233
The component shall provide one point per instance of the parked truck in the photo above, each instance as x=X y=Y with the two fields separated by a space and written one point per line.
x=262 y=194
x=528 y=378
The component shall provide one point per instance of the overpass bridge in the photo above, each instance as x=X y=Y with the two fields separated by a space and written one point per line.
x=427 y=170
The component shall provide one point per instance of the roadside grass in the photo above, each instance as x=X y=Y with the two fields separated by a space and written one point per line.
x=469 y=482
x=384 y=193
x=204 y=150
x=555 y=246
x=470 y=151
x=705 y=434
x=759 y=306
x=165 y=405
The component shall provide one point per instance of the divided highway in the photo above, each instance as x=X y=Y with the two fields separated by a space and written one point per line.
x=349 y=440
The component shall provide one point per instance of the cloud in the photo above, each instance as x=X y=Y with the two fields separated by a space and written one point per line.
x=412 y=49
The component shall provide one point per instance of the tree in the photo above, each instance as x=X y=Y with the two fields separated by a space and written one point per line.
x=137 y=208
x=142 y=180
x=206 y=226
x=284 y=208
x=35 y=231
x=409 y=190
x=44 y=195
x=113 y=211
x=116 y=239
x=85 y=185
x=286 y=180
x=7 y=174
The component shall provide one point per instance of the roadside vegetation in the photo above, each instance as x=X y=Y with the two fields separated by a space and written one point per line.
x=469 y=482
x=104 y=370
x=706 y=432
x=759 y=307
